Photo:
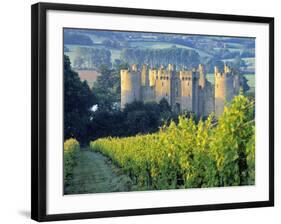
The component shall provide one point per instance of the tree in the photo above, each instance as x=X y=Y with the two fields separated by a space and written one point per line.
x=76 y=38
x=91 y=58
x=107 y=88
x=78 y=99
x=164 y=105
x=238 y=64
x=211 y=63
x=156 y=57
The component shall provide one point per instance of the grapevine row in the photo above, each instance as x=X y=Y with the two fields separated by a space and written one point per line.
x=71 y=148
x=190 y=154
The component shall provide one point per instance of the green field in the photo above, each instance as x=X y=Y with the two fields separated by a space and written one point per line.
x=116 y=53
x=206 y=46
x=251 y=82
x=161 y=45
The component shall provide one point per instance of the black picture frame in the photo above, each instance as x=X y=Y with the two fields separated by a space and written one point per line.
x=39 y=115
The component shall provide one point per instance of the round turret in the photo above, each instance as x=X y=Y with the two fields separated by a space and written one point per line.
x=130 y=86
x=224 y=89
x=152 y=77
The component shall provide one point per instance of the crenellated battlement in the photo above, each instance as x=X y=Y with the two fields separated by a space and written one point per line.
x=183 y=89
x=225 y=87
x=227 y=71
x=188 y=75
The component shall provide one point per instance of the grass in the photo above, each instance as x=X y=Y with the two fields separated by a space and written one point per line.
x=95 y=173
x=251 y=82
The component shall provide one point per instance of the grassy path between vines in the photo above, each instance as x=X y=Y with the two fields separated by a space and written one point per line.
x=95 y=173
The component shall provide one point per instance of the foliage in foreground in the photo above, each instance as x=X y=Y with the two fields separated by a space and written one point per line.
x=71 y=148
x=189 y=155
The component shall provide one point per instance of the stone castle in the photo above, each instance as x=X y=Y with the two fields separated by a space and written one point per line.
x=185 y=90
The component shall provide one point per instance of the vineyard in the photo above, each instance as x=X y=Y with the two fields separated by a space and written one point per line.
x=71 y=148
x=190 y=154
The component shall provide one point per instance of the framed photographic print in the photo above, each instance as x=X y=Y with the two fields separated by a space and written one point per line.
x=139 y=111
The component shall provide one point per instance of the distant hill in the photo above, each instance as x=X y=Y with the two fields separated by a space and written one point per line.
x=209 y=48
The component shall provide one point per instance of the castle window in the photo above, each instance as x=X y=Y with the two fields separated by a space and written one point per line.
x=188 y=83
x=162 y=84
x=166 y=94
x=217 y=85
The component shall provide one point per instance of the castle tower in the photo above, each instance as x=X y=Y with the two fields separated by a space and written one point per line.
x=202 y=76
x=224 y=88
x=186 y=90
x=144 y=76
x=130 y=85
x=189 y=90
x=152 y=76
x=163 y=85
x=147 y=90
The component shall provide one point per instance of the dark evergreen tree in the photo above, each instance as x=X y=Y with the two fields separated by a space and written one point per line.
x=78 y=100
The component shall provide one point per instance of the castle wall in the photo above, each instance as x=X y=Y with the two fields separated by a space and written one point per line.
x=236 y=84
x=147 y=89
x=130 y=86
x=186 y=92
x=148 y=93
x=173 y=83
x=144 y=76
x=177 y=94
x=163 y=86
x=201 y=101
x=206 y=94
x=152 y=76
x=208 y=99
x=195 y=93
